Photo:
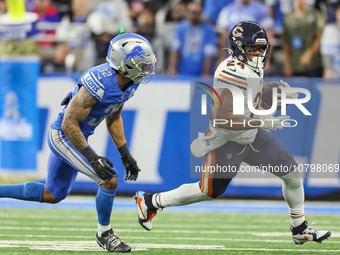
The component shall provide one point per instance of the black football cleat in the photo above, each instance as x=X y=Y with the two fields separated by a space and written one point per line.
x=111 y=242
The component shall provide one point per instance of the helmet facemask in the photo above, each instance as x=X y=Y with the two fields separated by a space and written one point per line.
x=258 y=60
x=146 y=70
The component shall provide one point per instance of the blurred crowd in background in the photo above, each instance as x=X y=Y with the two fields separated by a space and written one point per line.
x=189 y=37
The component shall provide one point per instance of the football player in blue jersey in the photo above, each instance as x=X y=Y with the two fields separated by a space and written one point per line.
x=99 y=94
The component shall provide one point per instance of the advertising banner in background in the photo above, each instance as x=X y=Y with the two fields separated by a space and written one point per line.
x=157 y=128
x=19 y=72
x=18 y=113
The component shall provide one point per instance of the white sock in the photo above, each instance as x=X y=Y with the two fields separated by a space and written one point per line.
x=293 y=192
x=297 y=216
x=102 y=229
x=183 y=195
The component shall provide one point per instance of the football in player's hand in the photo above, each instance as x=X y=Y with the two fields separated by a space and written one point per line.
x=267 y=92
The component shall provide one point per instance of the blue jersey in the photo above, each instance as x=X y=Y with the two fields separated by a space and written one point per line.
x=212 y=8
x=236 y=12
x=194 y=44
x=281 y=9
x=101 y=82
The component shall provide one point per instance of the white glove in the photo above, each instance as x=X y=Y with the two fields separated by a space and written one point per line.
x=290 y=95
x=273 y=123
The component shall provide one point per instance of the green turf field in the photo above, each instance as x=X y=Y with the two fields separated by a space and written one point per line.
x=64 y=231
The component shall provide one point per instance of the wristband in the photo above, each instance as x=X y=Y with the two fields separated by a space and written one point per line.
x=89 y=154
x=124 y=150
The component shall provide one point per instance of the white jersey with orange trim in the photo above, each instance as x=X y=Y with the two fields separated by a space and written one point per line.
x=232 y=72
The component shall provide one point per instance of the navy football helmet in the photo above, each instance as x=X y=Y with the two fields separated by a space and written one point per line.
x=249 y=33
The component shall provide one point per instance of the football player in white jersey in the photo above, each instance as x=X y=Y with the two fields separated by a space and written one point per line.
x=237 y=138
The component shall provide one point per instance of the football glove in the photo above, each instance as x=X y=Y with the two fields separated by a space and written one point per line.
x=290 y=95
x=131 y=168
x=273 y=123
x=103 y=168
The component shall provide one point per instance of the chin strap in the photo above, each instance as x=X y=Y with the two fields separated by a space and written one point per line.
x=255 y=65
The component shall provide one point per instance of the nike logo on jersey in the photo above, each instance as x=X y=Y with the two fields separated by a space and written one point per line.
x=234 y=70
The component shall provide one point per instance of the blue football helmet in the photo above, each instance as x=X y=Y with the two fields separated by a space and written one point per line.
x=133 y=55
x=249 y=33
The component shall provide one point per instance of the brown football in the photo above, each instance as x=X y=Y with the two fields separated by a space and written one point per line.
x=267 y=92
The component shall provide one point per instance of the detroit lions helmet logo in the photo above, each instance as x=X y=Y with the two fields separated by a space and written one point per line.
x=136 y=52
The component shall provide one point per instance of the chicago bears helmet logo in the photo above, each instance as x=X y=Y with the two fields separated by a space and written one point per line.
x=136 y=52
x=238 y=31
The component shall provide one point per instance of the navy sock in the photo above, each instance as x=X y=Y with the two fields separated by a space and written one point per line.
x=30 y=191
x=104 y=203
x=148 y=201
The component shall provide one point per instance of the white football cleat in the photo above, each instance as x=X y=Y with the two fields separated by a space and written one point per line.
x=144 y=214
x=303 y=233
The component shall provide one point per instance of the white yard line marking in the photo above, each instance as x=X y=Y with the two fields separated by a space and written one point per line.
x=48 y=236
x=286 y=233
x=92 y=246
x=135 y=225
x=164 y=238
x=226 y=219
x=12 y=222
x=268 y=234
x=216 y=239
x=184 y=226
x=52 y=217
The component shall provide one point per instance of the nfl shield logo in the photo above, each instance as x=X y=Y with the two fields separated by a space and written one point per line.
x=229 y=156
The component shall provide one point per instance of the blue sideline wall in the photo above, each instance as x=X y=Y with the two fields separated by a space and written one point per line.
x=157 y=128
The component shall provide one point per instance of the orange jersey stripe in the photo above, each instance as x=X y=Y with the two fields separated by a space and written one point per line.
x=203 y=172
x=295 y=217
x=226 y=77
x=204 y=167
x=210 y=188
